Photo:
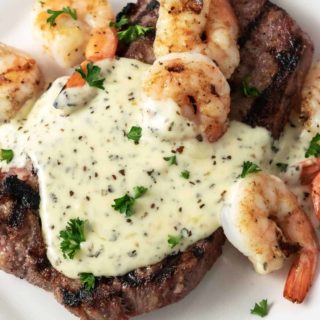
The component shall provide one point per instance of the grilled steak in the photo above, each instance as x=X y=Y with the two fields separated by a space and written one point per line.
x=23 y=253
x=144 y=13
x=275 y=57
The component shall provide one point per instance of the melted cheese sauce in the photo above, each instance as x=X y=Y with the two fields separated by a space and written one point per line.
x=85 y=161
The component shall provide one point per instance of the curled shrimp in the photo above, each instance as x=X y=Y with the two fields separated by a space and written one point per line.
x=310 y=176
x=197 y=85
x=208 y=27
x=264 y=221
x=102 y=45
x=180 y=26
x=310 y=104
x=222 y=33
x=20 y=81
x=69 y=37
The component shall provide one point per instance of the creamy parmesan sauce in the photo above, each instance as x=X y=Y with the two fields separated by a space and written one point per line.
x=85 y=161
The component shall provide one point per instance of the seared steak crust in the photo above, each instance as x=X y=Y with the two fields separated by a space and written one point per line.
x=23 y=253
x=275 y=57
x=144 y=13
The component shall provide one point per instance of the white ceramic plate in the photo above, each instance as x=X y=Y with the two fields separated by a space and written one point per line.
x=231 y=288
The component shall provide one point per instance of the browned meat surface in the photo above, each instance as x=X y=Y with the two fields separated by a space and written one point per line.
x=144 y=13
x=247 y=11
x=23 y=253
x=275 y=57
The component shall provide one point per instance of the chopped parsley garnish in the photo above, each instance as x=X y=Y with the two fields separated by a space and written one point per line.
x=135 y=134
x=125 y=204
x=92 y=76
x=171 y=160
x=185 y=174
x=249 y=167
x=173 y=241
x=282 y=166
x=139 y=191
x=71 y=238
x=314 y=147
x=131 y=33
x=88 y=280
x=55 y=14
x=261 y=309
x=123 y=21
x=248 y=90
x=6 y=155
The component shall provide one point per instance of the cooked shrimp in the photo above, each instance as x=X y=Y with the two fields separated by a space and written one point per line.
x=180 y=26
x=310 y=105
x=102 y=45
x=197 y=85
x=222 y=34
x=68 y=38
x=20 y=81
x=264 y=221
x=208 y=27
x=310 y=175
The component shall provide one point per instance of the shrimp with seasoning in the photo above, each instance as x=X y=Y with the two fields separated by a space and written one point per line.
x=310 y=104
x=310 y=176
x=71 y=36
x=197 y=85
x=310 y=114
x=264 y=221
x=208 y=27
x=20 y=81
x=222 y=33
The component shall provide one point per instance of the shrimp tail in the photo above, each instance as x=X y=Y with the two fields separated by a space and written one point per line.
x=300 y=277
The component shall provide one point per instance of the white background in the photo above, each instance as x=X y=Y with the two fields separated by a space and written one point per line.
x=231 y=288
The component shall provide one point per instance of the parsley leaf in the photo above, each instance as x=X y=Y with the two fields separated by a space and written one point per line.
x=88 y=280
x=6 y=155
x=123 y=21
x=248 y=90
x=249 y=167
x=314 y=147
x=261 y=309
x=171 y=160
x=125 y=204
x=139 y=191
x=71 y=238
x=92 y=76
x=55 y=14
x=173 y=241
x=135 y=134
x=133 y=33
x=185 y=174
x=282 y=166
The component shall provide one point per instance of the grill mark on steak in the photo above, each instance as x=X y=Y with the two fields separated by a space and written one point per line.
x=23 y=198
x=276 y=55
x=21 y=192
